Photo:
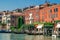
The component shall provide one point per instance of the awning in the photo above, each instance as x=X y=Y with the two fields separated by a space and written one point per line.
x=58 y=26
x=40 y=26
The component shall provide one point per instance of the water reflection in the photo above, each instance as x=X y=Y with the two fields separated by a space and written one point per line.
x=17 y=36
x=37 y=37
x=4 y=36
x=8 y=36
x=40 y=37
x=31 y=37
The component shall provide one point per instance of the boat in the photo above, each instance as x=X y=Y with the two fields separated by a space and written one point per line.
x=54 y=36
x=19 y=32
x=4 y=31
x=35 y=33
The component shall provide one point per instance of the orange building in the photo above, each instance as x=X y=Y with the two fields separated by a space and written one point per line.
x=31 y=14
x=43 y=13
x=49 y=12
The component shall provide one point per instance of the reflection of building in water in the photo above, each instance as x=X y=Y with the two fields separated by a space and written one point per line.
x=37 y=37
x=17 y=36
x=5 y=36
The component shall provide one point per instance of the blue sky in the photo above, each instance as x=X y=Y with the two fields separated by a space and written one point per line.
x=13 y=4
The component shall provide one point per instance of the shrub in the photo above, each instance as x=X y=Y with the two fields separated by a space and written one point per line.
x=48 y=25
x=57 y=21
x=12 y=28
x=38 y=23
x=26 y=27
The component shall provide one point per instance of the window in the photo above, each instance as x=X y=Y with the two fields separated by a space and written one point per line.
x=30 y=12
x=8 y=21
x=56 y=10
x=43 y=13
x=50 y=11
x=13 y=16
x=4 y=21
x=59 y=29
x=0 y=17
x=52 y=16
x=12 y=21
x=37 y=10
x=55 y=15
x=0 y=14
x=8 y=16
x=37 y=15
x=43 y=18
x=0 y=21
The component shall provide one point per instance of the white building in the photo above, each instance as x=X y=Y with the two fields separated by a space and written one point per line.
x=6 y=20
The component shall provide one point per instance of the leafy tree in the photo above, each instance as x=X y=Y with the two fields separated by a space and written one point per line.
x=12 y=28
x=20 y=21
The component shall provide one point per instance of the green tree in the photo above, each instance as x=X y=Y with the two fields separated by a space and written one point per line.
x=20 y=21
x=12 y=28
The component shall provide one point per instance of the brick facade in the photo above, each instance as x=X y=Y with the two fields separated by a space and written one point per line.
x=42 y=13
x=32 y=15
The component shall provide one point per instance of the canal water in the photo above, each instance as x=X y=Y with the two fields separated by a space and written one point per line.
x=9 y=36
